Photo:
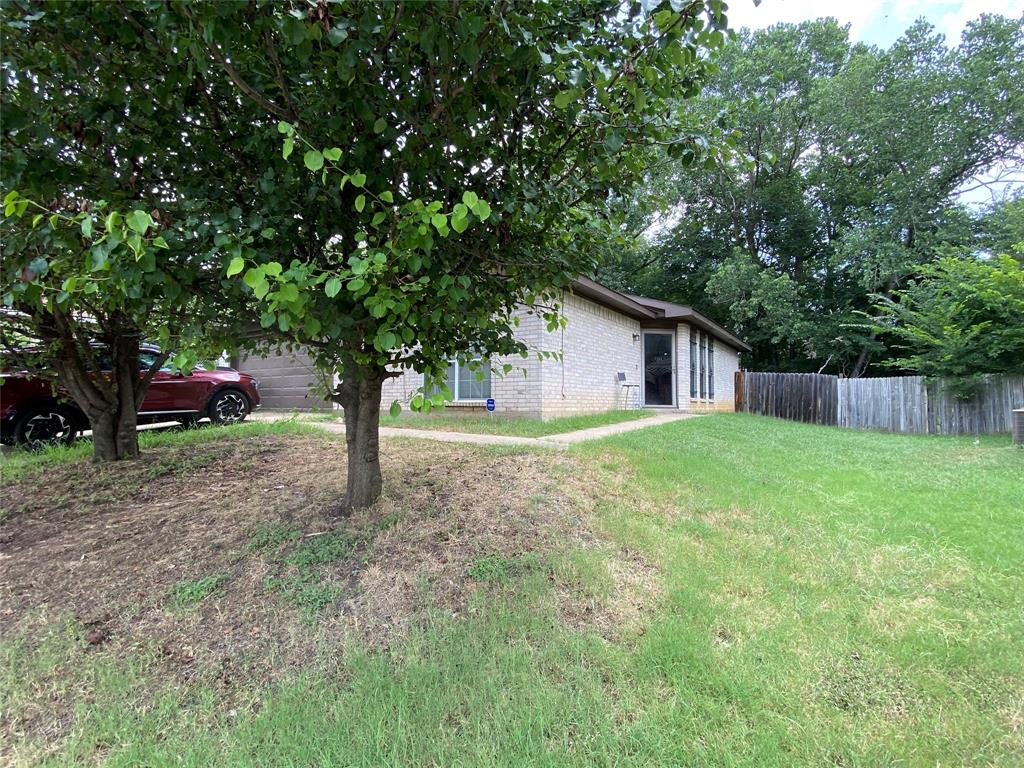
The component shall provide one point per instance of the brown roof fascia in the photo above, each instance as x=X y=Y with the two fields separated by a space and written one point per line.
x=584 y=286
x=648 y=310
x=692 y=316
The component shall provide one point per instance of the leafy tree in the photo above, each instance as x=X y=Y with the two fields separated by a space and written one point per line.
x=81 y=291
x=854 y=159
x=959 y=319
x=1002 y=226
x=353 y=146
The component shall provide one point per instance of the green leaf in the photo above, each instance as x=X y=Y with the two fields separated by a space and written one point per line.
x=284 y=321
x=268 y=232
x=311 y=325
x=98 y=257
x=460 y=224
x=288 y=292
x=395 y=409
x=253 y=276
x=613 y=141
x=380 y=125
x=272 y=268
x=337 y=35
x=564 y=98
x=482 y=209
x=283 y=127
x=332 y=287
x=314 y=160
x=356 y=285
x=262 y=289
x=378 y=217
x=159 y=242
x=469 y=198
x=387 y=197
x=289 y=145
x=359 y=179
x=86 y=227
x=138 y=221
x=39 y=266
x=333 y=154
x=360 y=203
x=237 y=265
x=439 y=220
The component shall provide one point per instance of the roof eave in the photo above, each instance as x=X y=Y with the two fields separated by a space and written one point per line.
x=584 y=286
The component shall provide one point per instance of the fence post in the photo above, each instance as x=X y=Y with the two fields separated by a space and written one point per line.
x=738 y=391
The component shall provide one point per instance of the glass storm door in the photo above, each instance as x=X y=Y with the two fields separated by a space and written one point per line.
x=659 y=368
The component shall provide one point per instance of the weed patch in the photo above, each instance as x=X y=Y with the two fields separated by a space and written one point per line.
x=501 y=569
x=271 y=535
x=188 y=593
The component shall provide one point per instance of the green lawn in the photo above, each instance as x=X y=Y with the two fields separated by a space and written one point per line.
x=448 y=421
x=810 y=596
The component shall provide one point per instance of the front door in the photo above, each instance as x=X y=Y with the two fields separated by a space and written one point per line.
x=659 y=368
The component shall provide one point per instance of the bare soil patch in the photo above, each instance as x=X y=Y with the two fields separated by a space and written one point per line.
x=224 y=564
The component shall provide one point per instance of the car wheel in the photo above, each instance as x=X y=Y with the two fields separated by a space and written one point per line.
x=228 y=407
x=47 y=425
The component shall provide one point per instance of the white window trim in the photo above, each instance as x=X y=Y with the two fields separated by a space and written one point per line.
x=454 y=386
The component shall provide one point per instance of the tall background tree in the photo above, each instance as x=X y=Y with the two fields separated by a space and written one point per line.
x=387 y=181
x=847 y=183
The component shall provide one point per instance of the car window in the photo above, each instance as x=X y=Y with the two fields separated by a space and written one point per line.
x=146 y=360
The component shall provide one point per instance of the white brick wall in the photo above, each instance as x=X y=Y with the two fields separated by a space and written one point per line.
x=517 y=392
x=596 y=344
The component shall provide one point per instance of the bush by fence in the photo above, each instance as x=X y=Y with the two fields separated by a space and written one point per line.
x=897 y=404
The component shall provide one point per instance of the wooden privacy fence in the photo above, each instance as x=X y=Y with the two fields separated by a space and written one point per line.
x=895 y=404
x=809 y=397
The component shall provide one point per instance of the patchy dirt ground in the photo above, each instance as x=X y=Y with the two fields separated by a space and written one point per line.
x=223 y=561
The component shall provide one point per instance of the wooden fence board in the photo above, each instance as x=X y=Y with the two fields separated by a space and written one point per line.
x=807 y=397
x=906 y=404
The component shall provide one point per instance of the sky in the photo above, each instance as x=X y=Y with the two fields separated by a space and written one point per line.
x=881 y=22
x=878 y=22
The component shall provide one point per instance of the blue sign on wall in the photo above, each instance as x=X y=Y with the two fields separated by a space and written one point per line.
x=490 y=404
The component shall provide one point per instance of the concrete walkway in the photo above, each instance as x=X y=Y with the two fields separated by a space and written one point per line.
x=558 y=442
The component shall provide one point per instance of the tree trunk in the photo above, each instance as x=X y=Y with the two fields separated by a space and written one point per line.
x=109 y=399
x=126 y=380
x=860 y=366
x=360 y=400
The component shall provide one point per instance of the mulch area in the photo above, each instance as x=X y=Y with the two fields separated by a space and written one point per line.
x=95 y=551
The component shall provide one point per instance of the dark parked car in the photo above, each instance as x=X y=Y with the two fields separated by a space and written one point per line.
x=30 y=413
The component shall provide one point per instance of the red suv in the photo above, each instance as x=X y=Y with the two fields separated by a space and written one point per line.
x=30 y=414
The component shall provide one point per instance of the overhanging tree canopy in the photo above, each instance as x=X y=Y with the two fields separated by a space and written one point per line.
x=543 y=111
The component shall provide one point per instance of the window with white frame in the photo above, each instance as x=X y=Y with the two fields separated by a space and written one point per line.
x=468 y=380
x=703 y=366
x=693 y=364
x=711 y=368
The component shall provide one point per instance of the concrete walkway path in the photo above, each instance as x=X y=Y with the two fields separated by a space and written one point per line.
x=558 y=442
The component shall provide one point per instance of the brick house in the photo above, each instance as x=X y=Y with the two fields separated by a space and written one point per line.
x=618 y=351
